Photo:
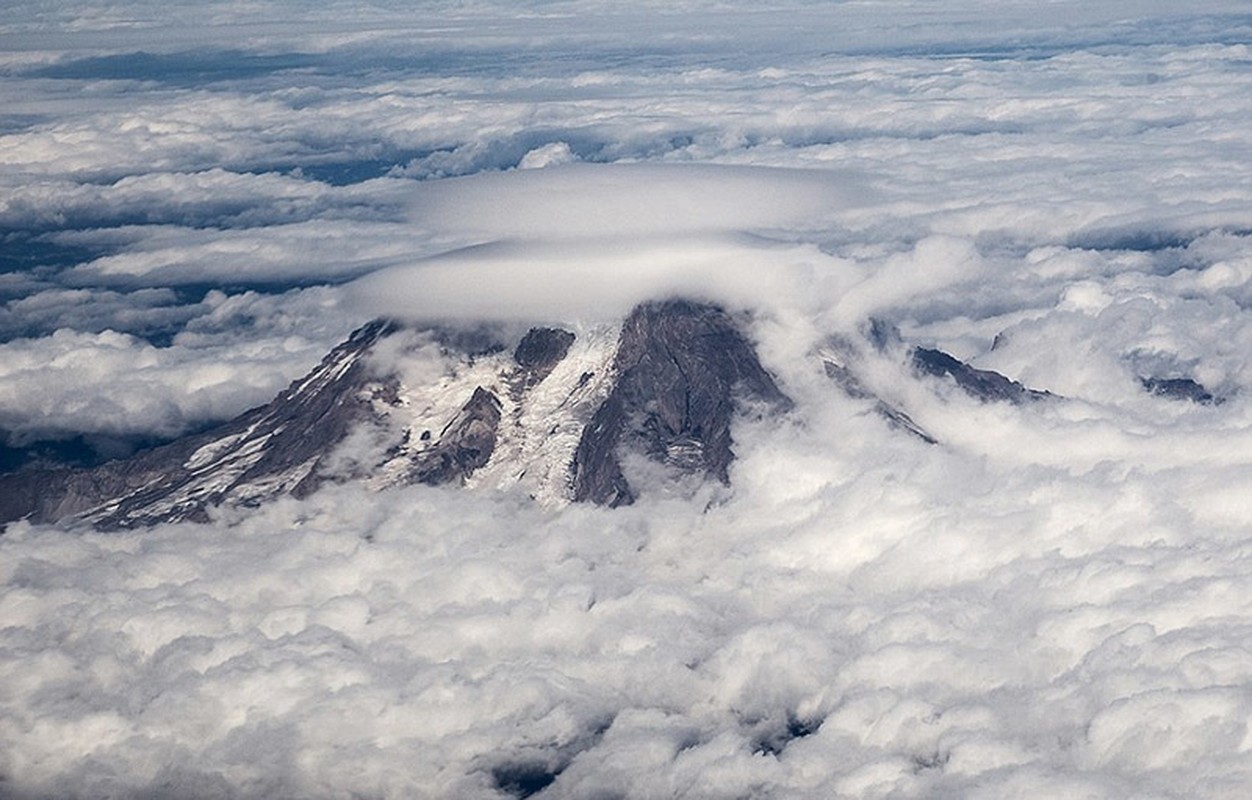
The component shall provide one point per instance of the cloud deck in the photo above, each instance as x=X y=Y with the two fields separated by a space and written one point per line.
x=1057 y=600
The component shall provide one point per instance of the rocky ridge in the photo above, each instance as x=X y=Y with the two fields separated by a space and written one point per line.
x=562 y=417
x=555 y=415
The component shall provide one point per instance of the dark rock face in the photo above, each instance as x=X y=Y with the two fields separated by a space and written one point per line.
x=523 y=780
x=885 y=338
x=537 y=354
x=1179 y=389
x=541 y=349
x=677 y=373
x=853 y=387
x=290 y=435
x=680 y=367
x=981 y=383
x=464 y=445
x=772 y=740
x=44 y=495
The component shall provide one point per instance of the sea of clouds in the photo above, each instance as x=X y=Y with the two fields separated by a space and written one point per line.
x=1056 y=600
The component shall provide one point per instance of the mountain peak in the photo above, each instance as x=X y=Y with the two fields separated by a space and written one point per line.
x=679 y=367
x=553 y=414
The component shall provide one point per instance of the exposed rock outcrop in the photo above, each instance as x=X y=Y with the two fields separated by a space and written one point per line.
x=847 y=380
x=680 y=367
x=981 y=383
x=665 y=388
x=464 y=445
x=1180 y=389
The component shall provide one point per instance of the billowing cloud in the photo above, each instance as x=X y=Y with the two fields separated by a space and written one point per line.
x=863 y=615
x=1052 y=602
x=234 y=353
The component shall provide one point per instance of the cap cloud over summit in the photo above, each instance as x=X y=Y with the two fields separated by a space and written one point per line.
x=588 y=242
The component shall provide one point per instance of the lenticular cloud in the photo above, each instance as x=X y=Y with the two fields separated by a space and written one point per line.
x=636 y=200
x=1052 y=599
x=588 y=242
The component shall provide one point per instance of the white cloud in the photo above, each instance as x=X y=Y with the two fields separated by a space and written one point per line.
x=1053 y=602
x=94 y=310
x=546 y=156
x=235 y=353
x=589 y=242
x=953 y=625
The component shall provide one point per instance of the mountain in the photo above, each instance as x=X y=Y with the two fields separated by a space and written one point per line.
x=677 y=368
x=265 y=451
x=563 y=417
x=981 y=383
x=559 y=415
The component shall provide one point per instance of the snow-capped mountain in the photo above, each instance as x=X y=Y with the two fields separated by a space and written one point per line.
x=558 y=415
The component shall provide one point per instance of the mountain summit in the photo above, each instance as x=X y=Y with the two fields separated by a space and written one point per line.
x=565 y=417
x=595 y=416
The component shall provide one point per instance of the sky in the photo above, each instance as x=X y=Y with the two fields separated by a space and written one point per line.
x=197 y=201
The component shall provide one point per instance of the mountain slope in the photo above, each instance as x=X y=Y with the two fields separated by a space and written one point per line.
x=395 y=405
x=268 y=450
x=558 y=416
x=677 y=366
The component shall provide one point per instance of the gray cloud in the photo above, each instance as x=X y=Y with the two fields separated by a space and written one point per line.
x=588 y=242
x=231 y=353
x=1030 y=633
x=1052 y=602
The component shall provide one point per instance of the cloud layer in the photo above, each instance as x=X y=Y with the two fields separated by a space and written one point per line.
x=1055 y=601
x=864 y=615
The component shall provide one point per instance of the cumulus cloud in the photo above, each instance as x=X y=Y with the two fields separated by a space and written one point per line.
x=150 y=311
x=1053 y=601
x=234 y=353
x=113 y=383
x=546 y=156
x=863 y=615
